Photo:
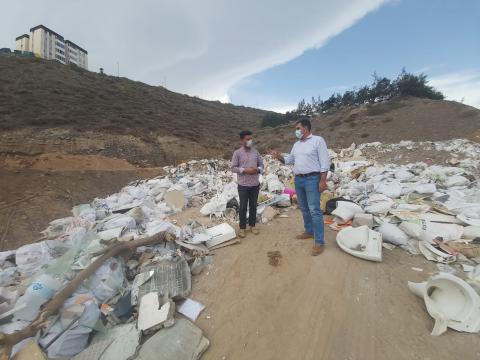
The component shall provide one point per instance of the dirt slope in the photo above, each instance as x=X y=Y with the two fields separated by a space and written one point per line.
x=389 y=122
x=45 y=106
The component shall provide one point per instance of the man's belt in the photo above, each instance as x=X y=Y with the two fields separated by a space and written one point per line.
x=309 y=174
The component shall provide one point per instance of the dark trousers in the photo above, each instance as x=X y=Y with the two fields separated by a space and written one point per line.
x=248 y=198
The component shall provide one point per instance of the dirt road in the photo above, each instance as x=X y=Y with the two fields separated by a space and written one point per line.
x=333 y=306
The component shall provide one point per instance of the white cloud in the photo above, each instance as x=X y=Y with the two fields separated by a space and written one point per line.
x=463 y=86
x=197 y=47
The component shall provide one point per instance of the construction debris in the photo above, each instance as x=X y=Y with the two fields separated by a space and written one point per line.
x=121 y=260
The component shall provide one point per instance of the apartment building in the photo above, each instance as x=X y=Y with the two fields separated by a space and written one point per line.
x=48 y=44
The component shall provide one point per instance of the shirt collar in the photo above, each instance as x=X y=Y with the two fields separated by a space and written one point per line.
x=308 y=137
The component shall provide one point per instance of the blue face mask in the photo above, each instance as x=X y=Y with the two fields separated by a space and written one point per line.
x=249 y=143
x=298 y=134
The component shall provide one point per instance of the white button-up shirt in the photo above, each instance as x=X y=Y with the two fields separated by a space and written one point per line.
x=309 y=155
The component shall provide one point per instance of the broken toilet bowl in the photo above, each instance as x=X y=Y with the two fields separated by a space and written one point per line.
x=345 y=211
x=451 y=302
x=361 y=242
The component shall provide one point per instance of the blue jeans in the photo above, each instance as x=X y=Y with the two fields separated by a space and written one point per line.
x=308 y=195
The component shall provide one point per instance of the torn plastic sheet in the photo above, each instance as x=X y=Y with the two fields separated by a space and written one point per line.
x=107 y=281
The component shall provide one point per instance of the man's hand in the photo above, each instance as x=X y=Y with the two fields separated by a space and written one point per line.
x=322 y=186
x=250 y=171
x=276 y=154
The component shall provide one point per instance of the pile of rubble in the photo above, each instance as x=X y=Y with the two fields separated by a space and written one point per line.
x=425 y=209
x=109 y=281
x=106 y=282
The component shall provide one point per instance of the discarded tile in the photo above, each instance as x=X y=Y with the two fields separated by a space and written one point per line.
x=182 y=341
x=152 y=316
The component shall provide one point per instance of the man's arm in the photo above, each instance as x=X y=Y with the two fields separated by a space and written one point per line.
x=236 y=164
x=324 y=160
x=288 y=159
x=259 y=163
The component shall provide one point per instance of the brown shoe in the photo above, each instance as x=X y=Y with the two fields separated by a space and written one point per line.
x=304 y=236
x=317 y=249
x=254 y=230
x=241 y=233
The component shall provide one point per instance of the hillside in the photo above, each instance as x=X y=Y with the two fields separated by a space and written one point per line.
x=48 y=108
x=388 y=122
x=45 y=107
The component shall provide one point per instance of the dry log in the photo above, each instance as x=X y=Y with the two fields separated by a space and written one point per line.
x=7 y=341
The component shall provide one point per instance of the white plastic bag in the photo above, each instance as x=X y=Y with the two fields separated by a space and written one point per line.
x=392 y=234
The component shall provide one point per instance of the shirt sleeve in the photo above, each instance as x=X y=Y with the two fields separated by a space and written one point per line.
x=323 y=156
x=290 y=158
x=236 y=164
x=259 y=163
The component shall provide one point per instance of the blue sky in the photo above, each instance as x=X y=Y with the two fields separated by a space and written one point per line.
x=438 y=37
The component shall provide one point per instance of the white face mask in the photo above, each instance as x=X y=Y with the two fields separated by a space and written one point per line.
x=249 y=143
x=298 y=134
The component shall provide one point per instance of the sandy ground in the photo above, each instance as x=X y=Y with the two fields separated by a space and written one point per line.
x=334 y=306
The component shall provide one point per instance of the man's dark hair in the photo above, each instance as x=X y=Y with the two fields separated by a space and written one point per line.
x=245 y=133
x=305 y=123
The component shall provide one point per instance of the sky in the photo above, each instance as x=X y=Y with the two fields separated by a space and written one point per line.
x=268 y=54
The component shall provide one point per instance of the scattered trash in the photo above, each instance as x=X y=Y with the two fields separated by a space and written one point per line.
x=274 y=257
x=417 y=269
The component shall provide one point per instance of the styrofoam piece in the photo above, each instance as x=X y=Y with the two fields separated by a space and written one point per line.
x=392 y=234
x=361 y=242
x=433 y=254
x=451 y=301
x=346 y=210
x=220 y=234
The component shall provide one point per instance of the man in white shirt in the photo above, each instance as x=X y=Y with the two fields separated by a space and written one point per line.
x=311 y=162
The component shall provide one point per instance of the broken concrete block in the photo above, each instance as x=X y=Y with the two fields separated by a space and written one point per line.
x=363 y=219
x=183 y=341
